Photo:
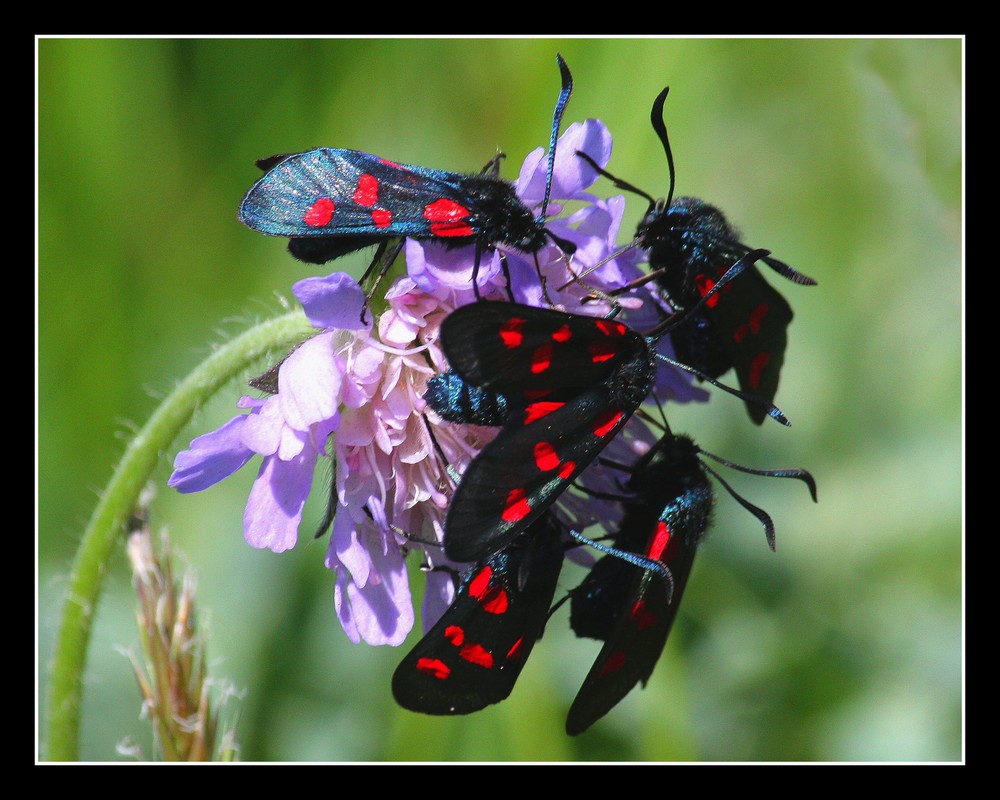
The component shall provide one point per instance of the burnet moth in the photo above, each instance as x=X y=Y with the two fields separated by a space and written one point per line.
x=329 y=202
x=571 y=381
x=691 y=246
x=569 y=384
x=474 y=654
x=667 y=513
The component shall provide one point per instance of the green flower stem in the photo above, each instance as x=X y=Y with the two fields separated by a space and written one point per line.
x=118 y=502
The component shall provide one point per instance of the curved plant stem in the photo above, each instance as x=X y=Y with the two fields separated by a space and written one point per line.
x=118 y=502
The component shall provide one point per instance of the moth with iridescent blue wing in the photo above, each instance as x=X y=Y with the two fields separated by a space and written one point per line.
x=329 y=202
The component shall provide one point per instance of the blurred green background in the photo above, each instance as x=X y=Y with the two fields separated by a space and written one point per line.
x=842 y=156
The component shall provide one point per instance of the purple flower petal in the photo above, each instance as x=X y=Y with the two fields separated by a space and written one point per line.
x=344 y=609
x=349 y=547
x=570 y=173
x=333 y=301
x=211 y=457
x=439 y=594
x=374 y=604
x=383 y=610
x=309 y=386
x=434 y=267
x=363 y=371
x=524 y=281
x=530 y=183
x=274 y=508
x=357 y=428
x=263 y=431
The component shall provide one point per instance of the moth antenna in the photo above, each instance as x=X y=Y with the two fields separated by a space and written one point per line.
x=772 y=410
x=412 y=537
x=656 y=117
x=786 y=271
x=620 y=251
x=762 y=516
x=567 y=90
x=624 y=185
x=794 y=472
x=648 y=564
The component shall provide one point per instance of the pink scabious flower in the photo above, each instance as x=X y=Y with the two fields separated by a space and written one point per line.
x=388 y=471
x=353 y=394
x=365 y=385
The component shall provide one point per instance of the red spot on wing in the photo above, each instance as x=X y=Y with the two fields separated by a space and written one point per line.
x=546 y=460
x=448 y=229
x=541 y=359
x=512 y=332
x=757 y=317
x=434 y=667
x=545 y=457
x=366 y=193
x=661 y=538
x=642 y=617
x=609 y=328
x=705 y=284
x=455 y=635
x=757 y=366
x=535 y=411
x=477 y=654
x=495 y=601
x=601 y=351
x=614 y=663
x=606 y=422
x=515 y=651
x=564 y=334
x=382 y=217
x=479 y=584
x=753 y=324
x=448 y=218
x=319 y=213
x=516 y=507
x=389 y=163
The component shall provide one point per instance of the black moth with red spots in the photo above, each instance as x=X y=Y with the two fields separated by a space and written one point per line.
x=691 y=246
x=330 y=202
x=472 y=657
x=570 y=383
x=626 y=607
x=743 y=326
x=666 y=517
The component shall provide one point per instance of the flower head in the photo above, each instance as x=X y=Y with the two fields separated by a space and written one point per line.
x=353 y=394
